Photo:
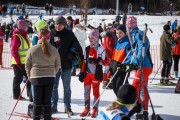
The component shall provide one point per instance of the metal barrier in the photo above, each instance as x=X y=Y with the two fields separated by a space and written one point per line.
x=154 y=49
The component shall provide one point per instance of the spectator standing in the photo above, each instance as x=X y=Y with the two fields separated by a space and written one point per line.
x=19 y=47
x=11 y=10
x=124 y=18
x=166 y=41
x=74 y=9
x=110 y=11
x=23 y=7
x=2 y=36
x=4 y=10
x=81 y=35
x=69 y=24
x=47 y=8
x=50 y=9
x=174 y=25
x=176 y=52
x=17 y=9
x=129 y=8
x=64 y=39
x=42 y=64
x=171 y=9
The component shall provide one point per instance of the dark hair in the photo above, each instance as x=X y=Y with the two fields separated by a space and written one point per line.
x=45 y=46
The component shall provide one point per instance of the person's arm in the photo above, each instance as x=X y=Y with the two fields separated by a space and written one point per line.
x=15 y=44
x=57 y=61
x=28 y=64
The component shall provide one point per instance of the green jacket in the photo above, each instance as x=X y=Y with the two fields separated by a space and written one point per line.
x=166 y=41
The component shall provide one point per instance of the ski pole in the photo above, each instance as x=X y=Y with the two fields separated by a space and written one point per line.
x=18 y=99
x=156 y=73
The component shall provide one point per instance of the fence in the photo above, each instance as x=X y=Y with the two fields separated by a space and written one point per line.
x=155 y=54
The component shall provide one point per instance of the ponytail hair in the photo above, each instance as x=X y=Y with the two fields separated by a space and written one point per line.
x=45 y=45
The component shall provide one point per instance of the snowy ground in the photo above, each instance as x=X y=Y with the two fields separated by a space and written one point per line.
x=165 y=101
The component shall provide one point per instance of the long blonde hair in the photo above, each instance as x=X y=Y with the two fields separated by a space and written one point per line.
x=114 y=105
x=45 y=45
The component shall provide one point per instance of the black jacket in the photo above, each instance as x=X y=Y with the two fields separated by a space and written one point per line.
x=66 y=41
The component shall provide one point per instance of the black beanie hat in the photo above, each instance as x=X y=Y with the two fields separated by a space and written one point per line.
x=127 y=94
x=121 y=27
x=166 y=27
x=60 y=20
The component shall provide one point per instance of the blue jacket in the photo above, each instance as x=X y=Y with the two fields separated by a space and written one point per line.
x=112 y=114
x=174 y=25
x=137 y=37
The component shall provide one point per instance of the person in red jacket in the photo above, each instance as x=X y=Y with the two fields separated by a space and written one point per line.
x=1 y=46
x=176 y=52
x=108 y=46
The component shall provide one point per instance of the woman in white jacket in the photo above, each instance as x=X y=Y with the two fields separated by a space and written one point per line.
x=81 y=35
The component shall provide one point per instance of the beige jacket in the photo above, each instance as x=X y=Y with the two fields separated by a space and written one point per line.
x=40 y=65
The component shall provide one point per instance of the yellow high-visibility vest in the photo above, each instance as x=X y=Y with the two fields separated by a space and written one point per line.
x=22 y=51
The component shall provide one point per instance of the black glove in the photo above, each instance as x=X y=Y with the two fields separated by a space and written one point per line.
x=81 y=77
x=121 y=67
x=137 y=109
x=93 y=60
x=131 y=67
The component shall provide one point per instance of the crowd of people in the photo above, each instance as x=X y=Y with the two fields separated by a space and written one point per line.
x=58 y=48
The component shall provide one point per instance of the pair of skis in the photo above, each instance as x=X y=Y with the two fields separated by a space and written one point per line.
x=25 y=116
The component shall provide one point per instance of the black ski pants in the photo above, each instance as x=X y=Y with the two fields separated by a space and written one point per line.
x=17 y=80
x=42 y=101
x=176 y=62
x=166 y=68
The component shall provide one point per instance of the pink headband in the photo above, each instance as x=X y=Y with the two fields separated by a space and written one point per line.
x=47 y=36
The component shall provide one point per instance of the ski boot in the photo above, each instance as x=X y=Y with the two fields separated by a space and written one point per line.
x=171 y=78
x=69 y=112
x=175 y=74
x=142 y=115
x=161 y=81
x=85 y=112
x=94 y=112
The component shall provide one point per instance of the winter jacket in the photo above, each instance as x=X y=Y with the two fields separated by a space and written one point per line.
x=121 y=49
x=40 y=65
x=64 y=40
x=166 y=41
x=34 y=39
x=176 y=48
x=96 y=51
x=16 y=43
x=81 y=35
x=137 y=37
x=174 y=25
x=108 y=45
